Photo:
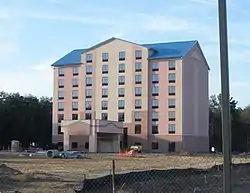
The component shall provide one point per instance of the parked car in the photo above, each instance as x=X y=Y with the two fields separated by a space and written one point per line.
x=72 y=155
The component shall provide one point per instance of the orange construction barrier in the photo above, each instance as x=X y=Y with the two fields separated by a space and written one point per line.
x=130 y=153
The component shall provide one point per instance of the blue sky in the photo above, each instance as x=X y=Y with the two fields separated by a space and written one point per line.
x=34 y=34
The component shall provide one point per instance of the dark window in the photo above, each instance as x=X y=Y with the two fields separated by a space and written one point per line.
x=89 y=58
x=61 y=86
x=59 y=129
x=171 y=65
x=105 y=57
x=122 y=56
x=87 y=145
x=155 y=145
x=104 y=116
x=138 y=129
x=88 y=116
x=155 y=129
x=138 y=54
x=74 y=145
x=60 y=118
x=121 y=117
x=74 y=116
x=171 y=147
x=75 y=71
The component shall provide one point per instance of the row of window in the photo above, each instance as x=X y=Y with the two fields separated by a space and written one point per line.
x=121 y=68
x=121 y=92
x=121 y=104
x=75 y=72
x=122 y=56
x=137 y=129
x=121 y=80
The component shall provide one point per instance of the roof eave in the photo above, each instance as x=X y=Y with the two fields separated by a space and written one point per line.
x=64 y=65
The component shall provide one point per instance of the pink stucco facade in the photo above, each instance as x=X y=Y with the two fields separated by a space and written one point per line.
x=149 y=118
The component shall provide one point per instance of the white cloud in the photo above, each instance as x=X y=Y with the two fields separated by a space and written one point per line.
x=206 y=2
x=36 y=80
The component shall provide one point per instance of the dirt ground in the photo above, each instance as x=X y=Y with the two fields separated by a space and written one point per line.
x=30 y=174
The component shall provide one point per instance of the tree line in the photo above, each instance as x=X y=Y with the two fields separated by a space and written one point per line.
x=29 y=119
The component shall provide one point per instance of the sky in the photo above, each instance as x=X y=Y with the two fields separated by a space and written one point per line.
x=34 y=34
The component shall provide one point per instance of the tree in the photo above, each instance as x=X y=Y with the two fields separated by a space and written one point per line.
x=25 y=118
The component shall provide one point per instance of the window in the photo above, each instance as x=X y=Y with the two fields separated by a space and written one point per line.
x=155 y=145
x=88 y=116
x=121 y=117
x=171 y=115
x=155 y=129
x=75 y=71
x=155 y=116
x=155 y=104
x=60 y=106
x=138 y=79
x=121 y=104
x=171 y=90
x=171 y=128
x=155 y=90
x=155 y=78
x=89 y=69
x=138 y=91
x=88 y=93
x=104 y=116
x=89 y=58
x=155 y=66
x=60 y=94
x=104 y=105
x=137 y=129
x=104 y=92
x=61 y=83
x=121 y=92
x=59 y=129
x=74 y=106
x=121 y=67
x=171 y=65
x=138 y=67
x=88 y=81
x=88 y=105
x=74 y=116
x=74 y=145
x=75 y=82
x=171 y=77
x=138 y=54
x=61 y=71
x=75 y=94
x=122 y=56
x=171 y=147
x=137 y=116
x=137 y=103
x=105 y=81
x=121 y=80
x=105 y=57
x=87 y=145
x=171 y=103
x=105 y=69
x=60 y=117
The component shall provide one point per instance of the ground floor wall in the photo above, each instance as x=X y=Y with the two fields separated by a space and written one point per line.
x=153 y=143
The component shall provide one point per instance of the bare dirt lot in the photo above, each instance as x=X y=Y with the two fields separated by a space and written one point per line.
x=30 y=174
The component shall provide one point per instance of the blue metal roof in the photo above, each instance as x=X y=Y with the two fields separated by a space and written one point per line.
x=171 y=49
x=72 y=58
x=161 y=50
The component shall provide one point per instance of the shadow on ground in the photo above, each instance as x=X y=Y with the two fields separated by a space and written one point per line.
x=14 y=180
x=171 y=181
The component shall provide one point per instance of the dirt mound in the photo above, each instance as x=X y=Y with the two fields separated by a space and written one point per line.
x=5 y=170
